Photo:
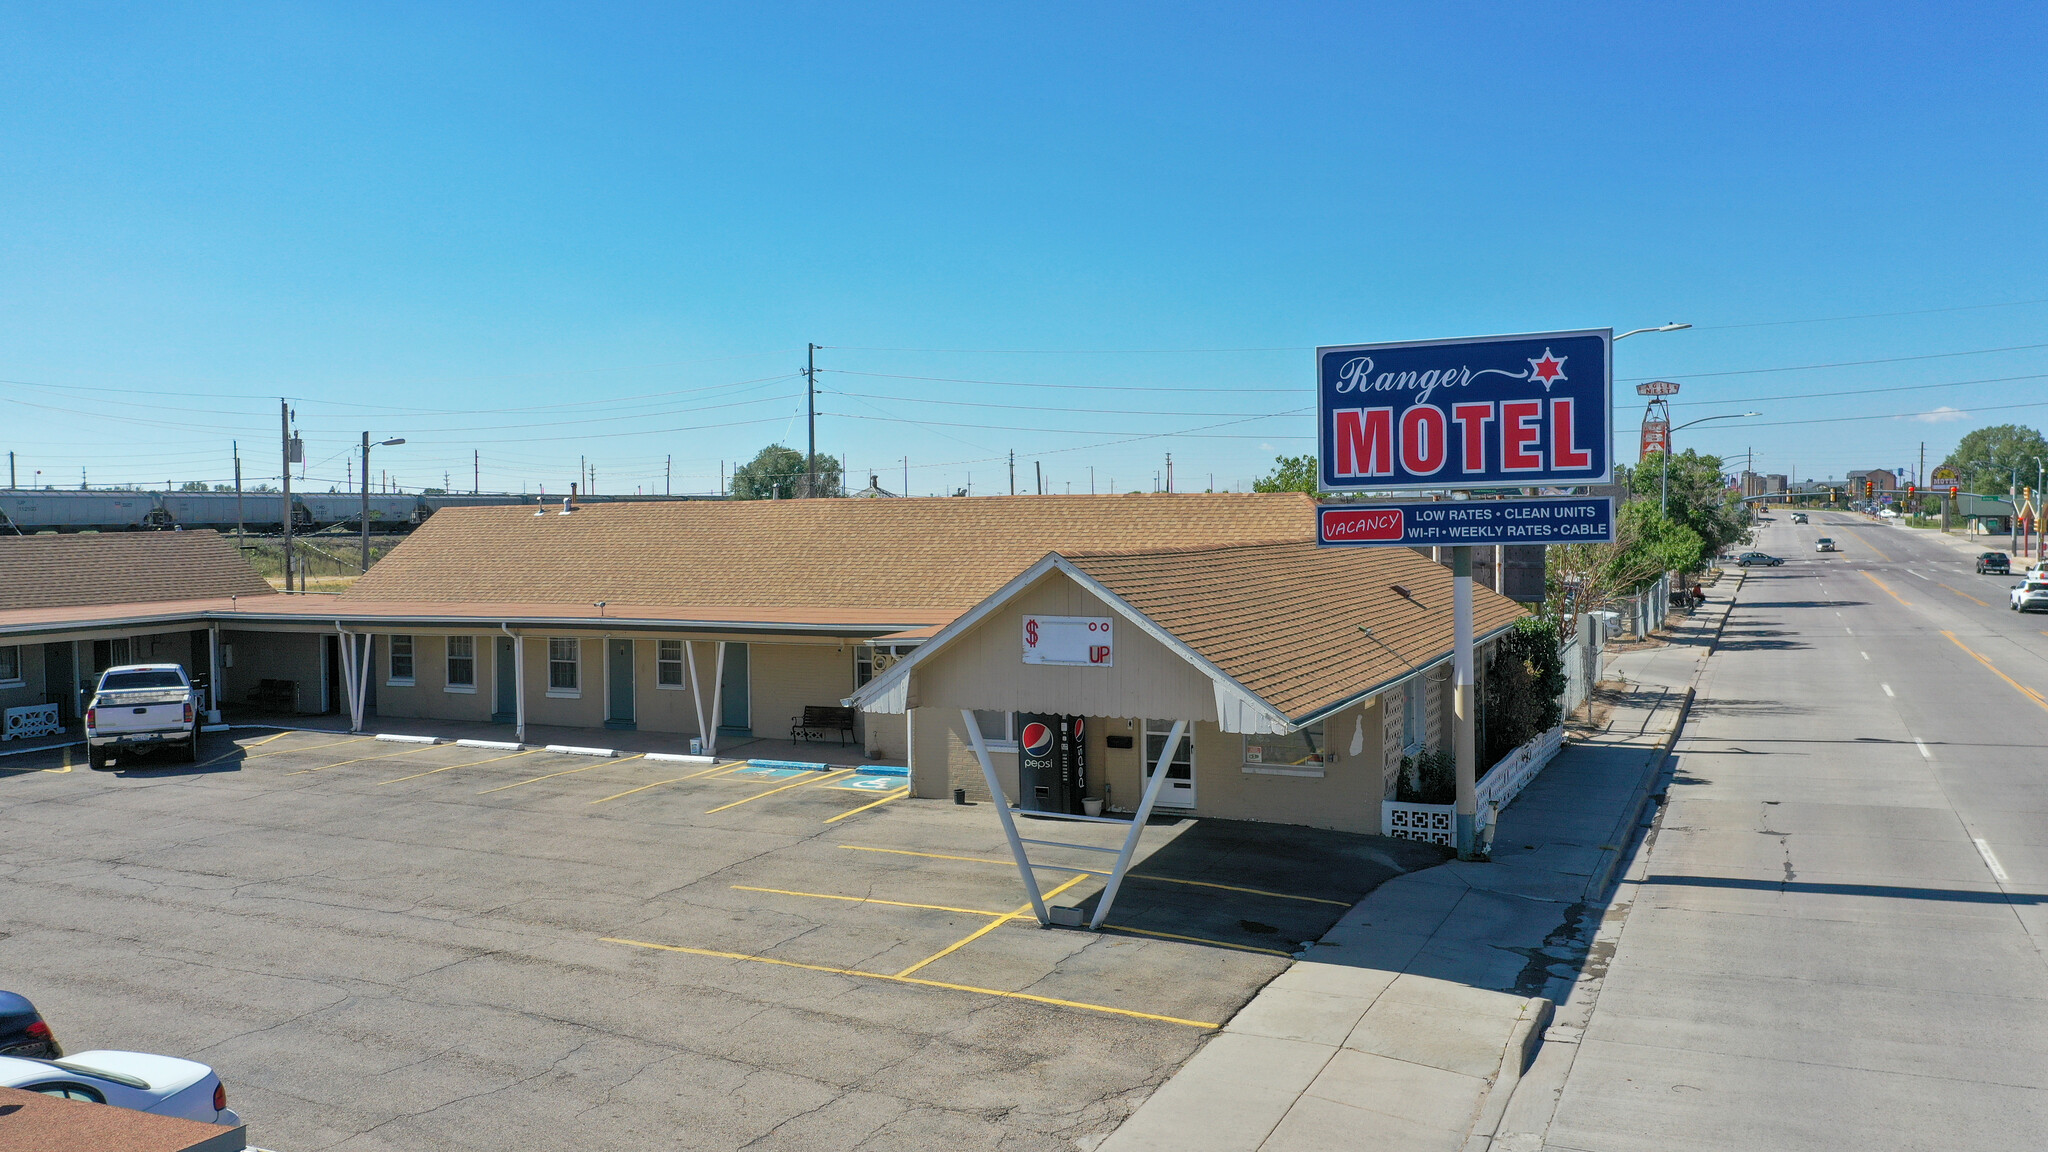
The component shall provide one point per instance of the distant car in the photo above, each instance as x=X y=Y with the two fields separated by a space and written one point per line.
x=1763 y=559
x=23 y=1031
x=2031 y=595
x=1996 y=562
x=1799 y=517
x=1824 y=544
x=164 y=1085
x=1888 y=513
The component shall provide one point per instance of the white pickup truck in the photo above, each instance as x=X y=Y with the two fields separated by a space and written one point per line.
x=138 y=706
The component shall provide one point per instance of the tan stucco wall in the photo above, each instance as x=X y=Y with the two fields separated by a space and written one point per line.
x=787 y=677
x=31 y=689
x=428 y=695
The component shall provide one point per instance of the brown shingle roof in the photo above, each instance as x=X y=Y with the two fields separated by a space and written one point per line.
x=1283 y=620
x=58 y=571
x=908 y=555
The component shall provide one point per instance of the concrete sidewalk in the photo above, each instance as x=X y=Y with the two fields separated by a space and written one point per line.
x=1408 y=1024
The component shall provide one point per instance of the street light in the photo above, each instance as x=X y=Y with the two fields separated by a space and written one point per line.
x=366 y=491
x=1664 y=489
x=1674 y=326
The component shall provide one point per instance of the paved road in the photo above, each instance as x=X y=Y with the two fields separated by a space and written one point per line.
x=1836 y=940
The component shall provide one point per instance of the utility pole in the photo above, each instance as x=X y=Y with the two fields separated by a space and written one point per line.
x=1040 y=466
x=10 y=469
x=811 y=404
x=366 y=502
x=1013 y=471
x=237 y=447
x=668 y=470
x=284 y=423
x=1169 y=471
x=906 y=475
x=476 y=471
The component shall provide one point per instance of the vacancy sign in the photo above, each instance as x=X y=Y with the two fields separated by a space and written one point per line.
x=1484 y=412
x=1422 y=524
x=1084 y=641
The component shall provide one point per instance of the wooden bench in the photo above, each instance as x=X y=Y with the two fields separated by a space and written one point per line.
x=284 y=693
x=819 y=719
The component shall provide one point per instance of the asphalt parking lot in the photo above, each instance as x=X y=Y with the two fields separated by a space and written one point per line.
x=412 y=946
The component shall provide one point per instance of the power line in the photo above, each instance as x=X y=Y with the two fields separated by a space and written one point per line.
x=1840 y=364
x=1085 y=387
x=1030 y=407
x=1858 y=391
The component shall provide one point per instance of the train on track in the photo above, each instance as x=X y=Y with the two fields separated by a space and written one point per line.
x=32 y=510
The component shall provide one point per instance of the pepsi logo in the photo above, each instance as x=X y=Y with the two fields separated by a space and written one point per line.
x=1036 y=739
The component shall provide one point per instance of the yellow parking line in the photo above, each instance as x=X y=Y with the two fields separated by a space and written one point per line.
x=360 y=759
x=1083 y=1005
x=841 y=774
x=466 y=764
x=670 y=780
x=1133 y=875
x=2022 y=689
x=1965 y=595
x=870 y=900
x=896 y=795
x=1197 y=940
x=1019 y=912
x=1888 y=591
x=246 y=747
x=564 y=772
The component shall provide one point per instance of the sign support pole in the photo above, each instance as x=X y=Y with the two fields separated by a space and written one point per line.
x=1462 y=742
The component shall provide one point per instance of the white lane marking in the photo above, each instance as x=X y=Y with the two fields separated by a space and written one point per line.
x=1922 y=745
x=1990 y=861
x=1887 y=689
x=1849 y=630
x=1865 y=655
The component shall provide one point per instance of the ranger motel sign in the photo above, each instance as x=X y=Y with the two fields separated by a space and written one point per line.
x=1481 y=412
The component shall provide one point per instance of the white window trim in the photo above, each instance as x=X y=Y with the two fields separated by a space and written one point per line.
x=684 y=661
x=555 y=693
x=447 y=658
x=1414 y=740
x=1009 y=742
x=463 y=689
x=391 y=681
x=1262 y=770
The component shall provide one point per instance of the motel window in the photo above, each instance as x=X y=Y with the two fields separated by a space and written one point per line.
x=401 y=660
x=871 y=660
x=462 y=662
x=668 y=664
x=998 y=730
x=10 y=664
x=1414 y=719
x=1300 y=751
x=563 y=657
x=1181 y=767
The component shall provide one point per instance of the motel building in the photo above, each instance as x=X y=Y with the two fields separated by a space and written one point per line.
x=1277 y=680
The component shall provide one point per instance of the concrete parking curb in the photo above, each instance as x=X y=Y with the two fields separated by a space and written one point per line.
x=572 y=750
x=398 y=739
x=500 y=745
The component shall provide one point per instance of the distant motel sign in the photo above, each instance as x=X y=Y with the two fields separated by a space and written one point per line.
x=1426 y=523
x=1486 y=412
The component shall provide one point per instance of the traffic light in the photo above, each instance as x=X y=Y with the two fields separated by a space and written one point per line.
x=1869 y=488
x=1952 y=490
x=1911 y=491
x=1832 y=495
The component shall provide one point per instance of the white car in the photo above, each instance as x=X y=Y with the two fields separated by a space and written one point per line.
x=1888 y=513
x=164 y=1085
x=2030 y=596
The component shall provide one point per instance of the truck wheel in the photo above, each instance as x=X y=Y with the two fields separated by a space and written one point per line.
x=189 y=751
x=96 y=758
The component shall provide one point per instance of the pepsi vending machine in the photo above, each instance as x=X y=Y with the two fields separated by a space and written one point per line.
x=1052 y=763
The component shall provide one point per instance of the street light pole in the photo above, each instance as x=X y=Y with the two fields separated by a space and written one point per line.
x=1664 y=489
x=366 y=493
x=1671 y=327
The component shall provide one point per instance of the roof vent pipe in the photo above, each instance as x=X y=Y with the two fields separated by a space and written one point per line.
x=569 y=501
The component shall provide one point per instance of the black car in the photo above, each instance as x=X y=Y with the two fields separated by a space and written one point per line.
x=22 y=1031
x=1994 y=562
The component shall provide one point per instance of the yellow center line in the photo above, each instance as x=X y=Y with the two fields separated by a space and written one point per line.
x=1197 y=940
x=838 y=775
x=2022 y=689
x=564 y=772
x=1888 y=591
x=670 y=780
x=1965 y=595
x=465 y=764
x=899 y=794
x=871 y=900
x=1083 y=1005
x=360 y=759
x=246 y=747
x=1017 y=913
x=1131 y=876
x=1866 y=544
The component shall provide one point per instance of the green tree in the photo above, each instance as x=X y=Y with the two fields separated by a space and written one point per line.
x=779 y=473
x=1294 y=474
x=1696 y=499
x=1986 y=459
x=194 y=486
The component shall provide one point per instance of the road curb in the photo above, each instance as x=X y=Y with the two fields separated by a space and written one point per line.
x=1515 y=1058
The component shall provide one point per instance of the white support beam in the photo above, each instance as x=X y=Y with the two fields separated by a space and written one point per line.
x=1144 y=813
x=697 y=694
x=717 y=701
x=1002 y=804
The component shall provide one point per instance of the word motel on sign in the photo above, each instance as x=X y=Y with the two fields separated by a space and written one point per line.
x=1533 y=435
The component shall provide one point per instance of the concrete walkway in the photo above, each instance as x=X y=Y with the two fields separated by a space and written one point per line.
x=1408 y=1024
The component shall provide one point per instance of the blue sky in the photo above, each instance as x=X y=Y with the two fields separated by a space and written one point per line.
x=608 y=231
